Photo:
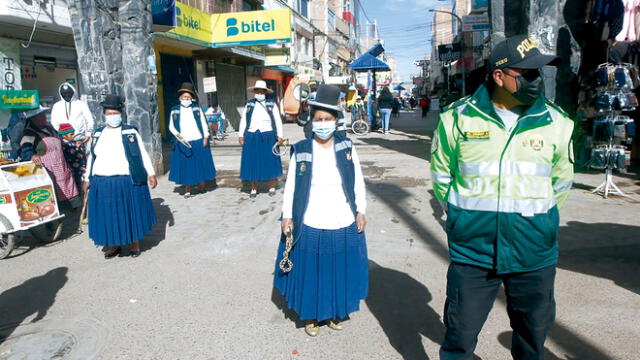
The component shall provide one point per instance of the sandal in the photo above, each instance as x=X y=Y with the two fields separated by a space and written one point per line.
x=334 y=325
x=312 y=329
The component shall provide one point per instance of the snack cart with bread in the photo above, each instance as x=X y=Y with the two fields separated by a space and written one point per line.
x=27 y=202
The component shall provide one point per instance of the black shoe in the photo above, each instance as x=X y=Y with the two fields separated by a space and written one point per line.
x=111 y=255
x=135 y=253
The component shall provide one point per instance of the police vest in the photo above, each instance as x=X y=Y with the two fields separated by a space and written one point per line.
x=502 y=187
x=137 y=172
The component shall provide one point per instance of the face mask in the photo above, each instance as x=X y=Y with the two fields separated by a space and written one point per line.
x=186 y=103
x=67 y=96
x=113 y=120
x=260 y=97
x=528 y=90
x=324 y=129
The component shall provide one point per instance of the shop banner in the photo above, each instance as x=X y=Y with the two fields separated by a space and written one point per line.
x=10 y=65
x=232 y=29
x=193 y=25
x=19 y=99
x=277 y=57
x=476 y=23
x=449 y=52
x=479 y=5
x=252 y=28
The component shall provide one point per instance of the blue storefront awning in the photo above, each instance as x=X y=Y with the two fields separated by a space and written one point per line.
x=368 y=62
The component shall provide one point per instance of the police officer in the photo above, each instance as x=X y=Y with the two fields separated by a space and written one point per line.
x=502 y=162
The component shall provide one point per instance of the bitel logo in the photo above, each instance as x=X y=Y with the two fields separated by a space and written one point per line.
x=252 y=26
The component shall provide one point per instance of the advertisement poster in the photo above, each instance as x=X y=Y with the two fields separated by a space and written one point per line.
x=36 y=205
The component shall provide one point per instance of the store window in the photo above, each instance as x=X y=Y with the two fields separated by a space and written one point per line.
x=331 y=20
x=303 y=7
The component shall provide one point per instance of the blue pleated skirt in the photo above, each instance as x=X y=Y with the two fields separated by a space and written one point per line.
x=191 y=166
x=120 y=213
x=258 y=162
x=330 y=273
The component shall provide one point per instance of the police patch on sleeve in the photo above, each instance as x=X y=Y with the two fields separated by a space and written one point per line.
x=434 y=143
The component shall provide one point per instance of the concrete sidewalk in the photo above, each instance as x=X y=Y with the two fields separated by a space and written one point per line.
x=202 y=288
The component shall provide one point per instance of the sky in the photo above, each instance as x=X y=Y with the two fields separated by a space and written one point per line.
x=404 y=25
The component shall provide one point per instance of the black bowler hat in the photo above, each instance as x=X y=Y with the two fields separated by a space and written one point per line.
x=112 y=102
x=520 y=52
x=327 y=97
x=187 y=87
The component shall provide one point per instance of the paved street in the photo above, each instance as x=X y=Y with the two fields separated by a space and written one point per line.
x=202 y=287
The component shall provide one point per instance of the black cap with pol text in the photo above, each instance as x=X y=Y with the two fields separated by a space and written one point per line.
x=519 y=52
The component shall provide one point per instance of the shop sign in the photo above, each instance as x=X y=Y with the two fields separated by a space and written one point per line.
x=252 y=28
x=19 y=99
x=232 y=29
x=193 y=24
x=476 y=23
x=10 y=65
x=164 y=14
x=209 y=84
x=277 y=57
x=449 y=52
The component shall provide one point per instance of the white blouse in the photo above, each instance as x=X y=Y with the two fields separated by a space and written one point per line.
x=188 y=126
x=328 y=207
x=111 y=159
x=260 y=119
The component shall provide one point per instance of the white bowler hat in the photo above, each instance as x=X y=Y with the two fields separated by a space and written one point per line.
x=260 y=84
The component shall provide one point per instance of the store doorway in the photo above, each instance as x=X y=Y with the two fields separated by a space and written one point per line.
x=175 y=71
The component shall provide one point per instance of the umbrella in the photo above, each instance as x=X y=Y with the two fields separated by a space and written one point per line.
x=399 y=88
x=368 y=62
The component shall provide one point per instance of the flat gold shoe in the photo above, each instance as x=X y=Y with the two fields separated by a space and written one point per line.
x=312 y=329
x=335 y=325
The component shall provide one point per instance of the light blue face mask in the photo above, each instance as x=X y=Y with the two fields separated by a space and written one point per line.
x=323 y=129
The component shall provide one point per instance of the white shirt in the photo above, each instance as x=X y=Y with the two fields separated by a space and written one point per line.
x=188 y=126
x=509 y=117
x=328 y=207
x=111 y=159
x=76 y=113
x=260 y=119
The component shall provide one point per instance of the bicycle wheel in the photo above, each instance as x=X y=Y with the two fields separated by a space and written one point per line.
x=360 y=127
x=219 y=135
x=7 y=241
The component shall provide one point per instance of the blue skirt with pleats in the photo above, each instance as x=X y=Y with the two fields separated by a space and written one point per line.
x=330 y=273
x=191 y=166
x=258 y=162
x=120 y=213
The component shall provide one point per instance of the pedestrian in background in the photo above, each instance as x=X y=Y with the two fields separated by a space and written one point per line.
x=191 y=159
x=74 y=153
x=502 y=161
x=71 y=110
x=119 y=174
x=385 y=104
x=324 y=210
x=425 y=104
x=260 y=129
x=215 y=120
x=395 y=110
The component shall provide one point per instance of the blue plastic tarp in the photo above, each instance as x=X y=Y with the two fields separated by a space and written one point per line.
x=368 y=62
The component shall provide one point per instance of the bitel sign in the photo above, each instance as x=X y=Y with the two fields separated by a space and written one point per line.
x=449 y=52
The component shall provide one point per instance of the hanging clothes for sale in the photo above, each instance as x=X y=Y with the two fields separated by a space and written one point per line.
x=628 y=32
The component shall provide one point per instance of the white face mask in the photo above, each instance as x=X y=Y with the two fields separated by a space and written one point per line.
x=113 y=120
x=260 y=97
x=323 y=129
x=186 y=103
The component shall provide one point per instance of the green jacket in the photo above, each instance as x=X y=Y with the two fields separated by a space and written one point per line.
x=502 y=189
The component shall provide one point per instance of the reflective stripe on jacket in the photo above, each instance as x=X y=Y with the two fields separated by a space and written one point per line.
x=503 y=188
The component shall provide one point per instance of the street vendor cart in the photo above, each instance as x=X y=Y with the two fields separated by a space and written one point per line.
x=27 y=203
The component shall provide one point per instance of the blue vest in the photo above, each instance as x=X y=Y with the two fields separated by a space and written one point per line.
x=175 y=117
x=251 y=104
x=137 y=172
x=303 y=156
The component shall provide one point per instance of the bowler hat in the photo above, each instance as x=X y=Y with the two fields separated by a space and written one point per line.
x=37 y=111
x=187 y=87
x=112 y=101
x=327 y=97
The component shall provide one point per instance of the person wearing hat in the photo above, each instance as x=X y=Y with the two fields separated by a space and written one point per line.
x=191 y=159
x=119 y=174
x=323 y=210
x=502 y=164
x=74 y=153
x=71 y=110
x=260 y=129
x=41 y=144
